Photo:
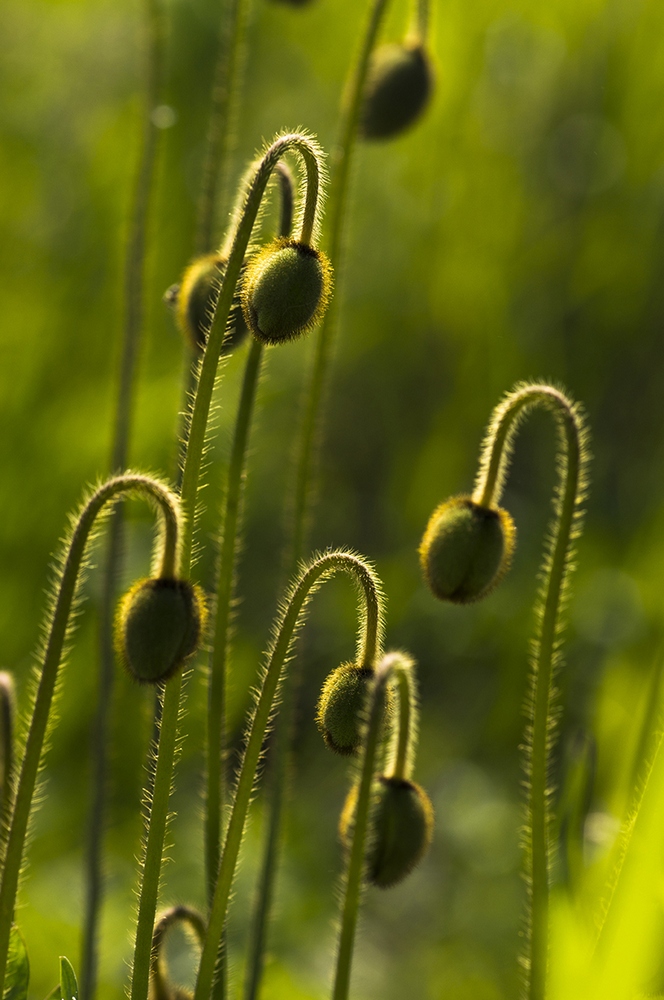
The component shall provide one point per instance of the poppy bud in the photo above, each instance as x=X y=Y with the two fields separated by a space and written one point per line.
x=466 y=549
x=398 y=88
x=158 y=627
x=401 y=829
x=340 y=711
x=194 y=300
x=285 y=290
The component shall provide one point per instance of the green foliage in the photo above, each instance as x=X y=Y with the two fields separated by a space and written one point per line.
x=68 y=983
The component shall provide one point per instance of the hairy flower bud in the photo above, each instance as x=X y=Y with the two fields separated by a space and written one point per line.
x=466 y=549
x=398 y=88
x=341 y=706
x=194 y=300
x=401 y=829
x=158 y=627
x=285 y=290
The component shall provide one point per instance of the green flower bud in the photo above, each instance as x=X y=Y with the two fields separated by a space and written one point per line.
x=194 y=300
x=285 y=290
x=340 y=711
x=398 y=88
x=401 y=829
x=158 y=627
x=466 y=549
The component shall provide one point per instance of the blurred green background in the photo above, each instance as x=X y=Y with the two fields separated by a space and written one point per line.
x=517 y=232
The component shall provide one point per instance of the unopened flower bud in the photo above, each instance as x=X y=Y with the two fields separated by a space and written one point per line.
x=158 y=627
x=466 y=549
x=398 y=88
x=340 y=714
x=401 y=829
x=285 y=290
x=194 y=300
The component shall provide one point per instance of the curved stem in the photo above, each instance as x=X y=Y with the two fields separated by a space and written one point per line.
x=133 y=296
x=158 y=974
x=58 y=631
x=197 y=428
x=227 y=557
x=402 y=765
x=287 y=626
x=572 y=466
x=228 y=71
x=392 y=665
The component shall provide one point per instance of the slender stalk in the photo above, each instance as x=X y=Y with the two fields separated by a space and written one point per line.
x=227 y=558
x=227 y=74
x=197 y=428
x=403 y=757
x=220 y=650
x=160 y=987
x=288 y=624
x=422 y=20
x=133 y=319
x=393 y=665
x=572 y=468
x=58 y=632
x=7 y=716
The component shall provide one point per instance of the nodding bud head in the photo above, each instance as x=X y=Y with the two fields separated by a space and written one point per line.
x=158 y=627
x=340 y=714
x=285 y=290
x=401 y=829
x=466 y=549
x=194 y=300
x=399 y=85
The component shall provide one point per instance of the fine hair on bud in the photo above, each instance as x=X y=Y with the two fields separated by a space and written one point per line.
x=466 y=549
x=285 y=291
x=159 y=626
x=401 y=829
x=194 y=301
x=398 y=88
x=340 y=714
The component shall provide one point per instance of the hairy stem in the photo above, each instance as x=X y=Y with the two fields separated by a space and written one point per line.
x=572 y=462
x=156 y=493
x=288 y=624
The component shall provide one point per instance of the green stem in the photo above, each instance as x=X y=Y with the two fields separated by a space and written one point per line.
x=197 y=426
x=392 y=665
x=7 y=716
x=133 y=296
x=225 y=89
x=197 y=429
x=403 y=758
x=572 y=461
x=288 y=624
x=227 y=558
x=219 y=653
x=160 y=987
x=422 y=20
x=58 y=631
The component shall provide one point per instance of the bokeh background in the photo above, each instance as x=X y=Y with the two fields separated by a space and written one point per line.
x=516 y=232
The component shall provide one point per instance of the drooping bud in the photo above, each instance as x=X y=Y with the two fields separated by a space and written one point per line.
x=194 y=300
x=398 y=88
x=466 y=549
x=159 y=625
x=286 y=289
x=341 y=707
x=401 y=829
